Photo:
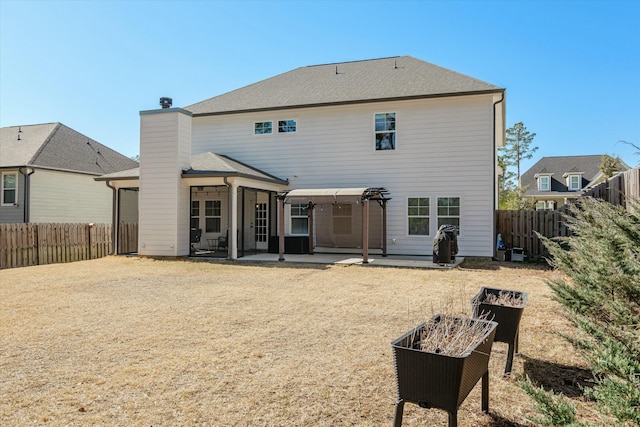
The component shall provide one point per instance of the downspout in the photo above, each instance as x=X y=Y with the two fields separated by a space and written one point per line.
x=495 y=178
x=229 y=212
x=26 y=171
x=114 y=218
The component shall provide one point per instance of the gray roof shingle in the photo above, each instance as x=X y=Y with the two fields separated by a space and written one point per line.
x=56 y=146
x=402 y=77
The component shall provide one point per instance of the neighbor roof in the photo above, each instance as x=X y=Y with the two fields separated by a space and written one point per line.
x=206 y=165
x=401 y=77
x=56 y=146
x=588 y=166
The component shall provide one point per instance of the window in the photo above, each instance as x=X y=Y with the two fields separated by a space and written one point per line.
x=195 y=214
x=449 y=211
x=10 y=188
x=418 y=214
x=545 y=206
x=385 y=131
x=285 y=126
x=262 y=128
x=544 y=183
x=342 y=218
x=299 y=219
x=212 y=210
x=574 y=182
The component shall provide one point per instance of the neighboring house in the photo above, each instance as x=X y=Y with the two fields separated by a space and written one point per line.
x=555 y=181
x=354 y=156
x=47 y=175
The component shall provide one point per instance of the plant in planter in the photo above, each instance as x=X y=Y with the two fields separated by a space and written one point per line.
x=438 y=363
x=504 y=307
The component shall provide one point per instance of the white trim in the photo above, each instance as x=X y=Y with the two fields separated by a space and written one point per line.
x=5 y=173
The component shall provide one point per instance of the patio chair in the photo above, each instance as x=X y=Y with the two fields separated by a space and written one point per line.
x=196 y=234
x=223 y=242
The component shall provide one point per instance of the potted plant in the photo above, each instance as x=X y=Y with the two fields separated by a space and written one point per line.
x=438 y=363
x=504 y=307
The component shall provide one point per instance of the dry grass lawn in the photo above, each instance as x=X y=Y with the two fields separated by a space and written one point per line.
x=141 y=342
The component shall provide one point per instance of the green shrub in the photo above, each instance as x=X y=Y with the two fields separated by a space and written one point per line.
x=601 y=295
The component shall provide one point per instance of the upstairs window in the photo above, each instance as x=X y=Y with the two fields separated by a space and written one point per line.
x=212 y=214
x=418 y=214
x=286 y=126
x=299 y=219
x=544 y=183
x=385 y=129
x=10 y=188
x=262 y=128
x=574 y=182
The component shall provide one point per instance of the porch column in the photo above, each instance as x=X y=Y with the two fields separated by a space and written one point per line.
x=310 y=216
x=365 y=231
x=233 y=221
x=281 y=228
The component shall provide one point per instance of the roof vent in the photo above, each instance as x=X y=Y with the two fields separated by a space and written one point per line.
x=166 y=102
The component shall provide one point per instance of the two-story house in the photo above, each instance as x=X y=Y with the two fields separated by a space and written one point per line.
x=368 y=155
x=555 y=181
x=47 y=174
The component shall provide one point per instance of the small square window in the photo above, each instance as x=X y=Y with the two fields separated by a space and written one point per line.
x=262 y=128
x=286 y=126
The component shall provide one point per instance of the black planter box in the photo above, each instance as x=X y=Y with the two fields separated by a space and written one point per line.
x=433 y=380
x=508 y=318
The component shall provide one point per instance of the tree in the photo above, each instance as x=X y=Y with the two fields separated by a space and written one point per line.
x=610 y=165
x=516 y=149
x=600 y=293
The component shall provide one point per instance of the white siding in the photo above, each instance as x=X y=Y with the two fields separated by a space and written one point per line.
x=444 y=149
x=165 y=149
x=57 y=196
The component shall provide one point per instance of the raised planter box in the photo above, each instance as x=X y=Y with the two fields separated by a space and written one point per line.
x=433 y=380
x=507 y=317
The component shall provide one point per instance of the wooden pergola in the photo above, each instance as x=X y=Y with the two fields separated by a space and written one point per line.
x=317 y=196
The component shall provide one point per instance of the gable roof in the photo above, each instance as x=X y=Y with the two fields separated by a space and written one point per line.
x=401 y=77
x=558 y=166
x=56 y=146
x=207 y=165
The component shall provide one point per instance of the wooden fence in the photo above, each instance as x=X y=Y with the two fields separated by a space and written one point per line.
x=23 y=245
x=618 y=189
x=517 y=228
x=127 y=237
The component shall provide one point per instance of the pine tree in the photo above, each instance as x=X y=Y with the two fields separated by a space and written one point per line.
x=601 y=296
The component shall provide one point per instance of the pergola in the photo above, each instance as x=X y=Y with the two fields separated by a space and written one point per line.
x=329 y=196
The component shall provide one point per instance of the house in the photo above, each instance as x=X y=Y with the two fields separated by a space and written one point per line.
x=555 y=181
x=47 y=173
x=356 y=157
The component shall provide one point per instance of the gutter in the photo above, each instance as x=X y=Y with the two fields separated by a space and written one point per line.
x=495 y=161
x=26 y=171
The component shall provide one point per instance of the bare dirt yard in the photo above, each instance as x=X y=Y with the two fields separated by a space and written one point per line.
x=140 y=342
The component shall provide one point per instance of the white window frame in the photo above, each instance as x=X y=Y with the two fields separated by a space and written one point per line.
x=441 y=218
x=255 y=128
x=213 y=215
x=546 y=178
x=287 y=127
x=570 y=185
x=379 y=134
x=420 y=212
x=295 y=207
x=3 y=189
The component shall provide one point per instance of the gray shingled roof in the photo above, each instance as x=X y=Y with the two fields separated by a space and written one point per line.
x=56 y=146
x=402 y=77
x=589 y=166
x=207 y=165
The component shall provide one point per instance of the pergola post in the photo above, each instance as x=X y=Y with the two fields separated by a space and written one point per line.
x=310 y=207
x=281 y=228
x=384 y=227
x=365 y=231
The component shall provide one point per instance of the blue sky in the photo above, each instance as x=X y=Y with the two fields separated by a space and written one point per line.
x=571 y=68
